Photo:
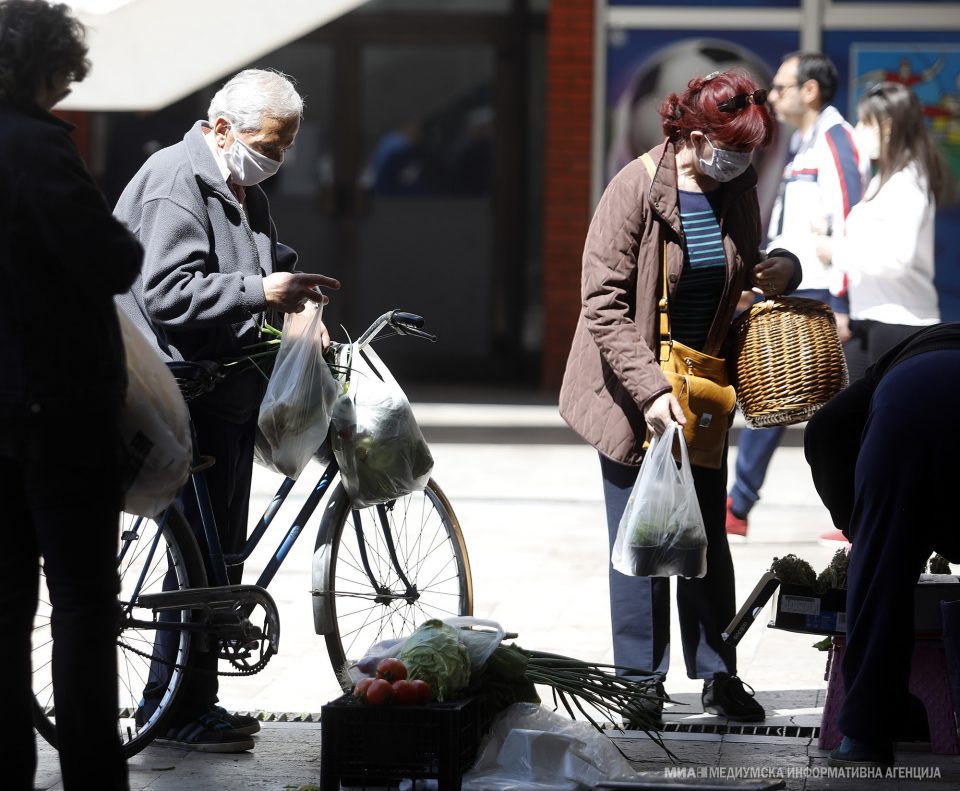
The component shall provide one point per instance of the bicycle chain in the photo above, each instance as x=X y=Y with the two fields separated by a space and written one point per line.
x=260 y=665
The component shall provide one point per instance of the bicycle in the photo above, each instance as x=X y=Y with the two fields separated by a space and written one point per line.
x=402 y=562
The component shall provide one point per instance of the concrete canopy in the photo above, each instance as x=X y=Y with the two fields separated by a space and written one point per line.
x=147 y=54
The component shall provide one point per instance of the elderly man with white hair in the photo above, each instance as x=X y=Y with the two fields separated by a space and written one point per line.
x=212 y=268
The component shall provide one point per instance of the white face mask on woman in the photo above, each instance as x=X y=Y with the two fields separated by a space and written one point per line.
x=247 y=166
x=867 y=138
x=725 y=165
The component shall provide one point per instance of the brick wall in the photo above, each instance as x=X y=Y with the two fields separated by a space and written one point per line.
x=567 y=178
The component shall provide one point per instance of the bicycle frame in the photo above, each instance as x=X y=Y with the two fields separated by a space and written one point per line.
x=220 y=562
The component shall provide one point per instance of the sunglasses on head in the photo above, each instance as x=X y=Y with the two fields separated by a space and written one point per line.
x=741 y=100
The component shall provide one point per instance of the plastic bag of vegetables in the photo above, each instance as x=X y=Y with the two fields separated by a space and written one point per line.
x=295 y=411
x=661 y=533
x=435 y=654
x=375 y=437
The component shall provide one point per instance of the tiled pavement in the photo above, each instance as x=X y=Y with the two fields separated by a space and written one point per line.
x=528 y=497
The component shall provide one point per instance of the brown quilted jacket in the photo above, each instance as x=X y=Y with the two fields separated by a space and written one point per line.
x=612 y=369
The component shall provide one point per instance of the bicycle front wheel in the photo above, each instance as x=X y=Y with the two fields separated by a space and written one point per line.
x=149 y=552
x=388 y=569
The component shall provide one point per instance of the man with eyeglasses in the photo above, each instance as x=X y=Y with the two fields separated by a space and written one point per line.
x=822 y=180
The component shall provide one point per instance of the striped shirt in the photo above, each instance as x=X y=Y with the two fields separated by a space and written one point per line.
x=704 y=269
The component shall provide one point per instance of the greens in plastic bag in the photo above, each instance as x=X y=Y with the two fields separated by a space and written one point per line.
x=375 y=437
x=661 y=533
x=435 y=654
x=295 y=412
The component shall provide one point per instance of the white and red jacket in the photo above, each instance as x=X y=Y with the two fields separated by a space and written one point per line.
x=822 y=181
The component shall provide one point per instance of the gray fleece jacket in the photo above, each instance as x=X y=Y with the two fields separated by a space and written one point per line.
x=200 y=293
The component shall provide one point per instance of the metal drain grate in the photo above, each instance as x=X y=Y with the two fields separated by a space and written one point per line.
x=790 y=731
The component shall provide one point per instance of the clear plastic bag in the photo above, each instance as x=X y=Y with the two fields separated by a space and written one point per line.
x=295 y=412
x=661 y=533
x=531 y=747
x=154 y=426
x=480 y=637
x=375 y=437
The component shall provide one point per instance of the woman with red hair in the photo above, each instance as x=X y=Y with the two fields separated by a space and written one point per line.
x=691 y=207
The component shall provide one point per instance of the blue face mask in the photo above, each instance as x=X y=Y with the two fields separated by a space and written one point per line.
x=725 y=165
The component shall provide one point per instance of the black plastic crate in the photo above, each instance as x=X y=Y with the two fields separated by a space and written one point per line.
x=364 y=745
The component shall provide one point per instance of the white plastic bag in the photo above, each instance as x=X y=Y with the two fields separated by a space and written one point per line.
x=531 y=747
x=376 y=439
x=480 y=637
x=295 y=411
x=154 y=427
x=661 y=533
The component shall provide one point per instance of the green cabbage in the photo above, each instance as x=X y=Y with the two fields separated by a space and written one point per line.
x=435 y=654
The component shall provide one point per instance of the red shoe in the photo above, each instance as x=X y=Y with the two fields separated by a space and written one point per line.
x=736 y=525
x=834 y=539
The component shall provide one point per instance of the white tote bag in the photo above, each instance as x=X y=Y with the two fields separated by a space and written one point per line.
x=154 y=427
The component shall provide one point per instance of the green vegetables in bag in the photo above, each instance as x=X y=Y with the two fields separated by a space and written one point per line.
x=435 y=654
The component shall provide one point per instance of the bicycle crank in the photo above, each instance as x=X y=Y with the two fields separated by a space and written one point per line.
x=226 y=611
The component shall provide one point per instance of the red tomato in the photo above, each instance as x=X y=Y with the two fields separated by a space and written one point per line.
x=379 y=693
x=392 y=670
x=422 y=689
x=360 y=688
x=405 y=693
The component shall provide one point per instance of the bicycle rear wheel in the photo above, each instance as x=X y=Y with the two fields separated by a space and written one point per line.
x=429 y=553
x=146 y=552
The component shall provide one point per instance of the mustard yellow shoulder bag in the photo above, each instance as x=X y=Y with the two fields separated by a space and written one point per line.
x=700 y=382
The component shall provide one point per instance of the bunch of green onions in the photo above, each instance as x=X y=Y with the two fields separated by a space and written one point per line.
x=511 y=674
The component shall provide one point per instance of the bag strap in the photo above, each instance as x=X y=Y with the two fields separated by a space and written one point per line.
x=663 y=307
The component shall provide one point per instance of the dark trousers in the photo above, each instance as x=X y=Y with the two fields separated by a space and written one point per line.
x=228 y=482
x=640 y=606
x=64 y=508
x=904 y=501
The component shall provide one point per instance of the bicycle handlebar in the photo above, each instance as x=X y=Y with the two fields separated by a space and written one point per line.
x=404 y=323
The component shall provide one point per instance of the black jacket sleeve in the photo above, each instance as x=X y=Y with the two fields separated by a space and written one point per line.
x=98 y=254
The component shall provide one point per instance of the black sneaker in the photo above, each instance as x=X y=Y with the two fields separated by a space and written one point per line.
x=724 y=695
x=210 y=733
x=241 y=723
x=650 y=714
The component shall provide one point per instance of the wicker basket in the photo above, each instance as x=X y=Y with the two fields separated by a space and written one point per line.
x=789 y=360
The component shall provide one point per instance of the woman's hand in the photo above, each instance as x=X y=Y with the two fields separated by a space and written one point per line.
x=771 y=276
x=659 y=413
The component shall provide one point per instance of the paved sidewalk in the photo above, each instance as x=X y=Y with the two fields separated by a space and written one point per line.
x=527 y=493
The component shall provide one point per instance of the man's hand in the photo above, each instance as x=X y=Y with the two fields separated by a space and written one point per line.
x=770 y=277
x=659 y=412
x=290 y=291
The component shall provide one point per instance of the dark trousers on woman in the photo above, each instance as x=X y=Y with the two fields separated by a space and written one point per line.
x=640 y=606
x=904 y=505
x=228 y=482
x=62 y=506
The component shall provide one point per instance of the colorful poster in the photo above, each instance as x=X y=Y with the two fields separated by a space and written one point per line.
x=931 y=67
x=644 y=66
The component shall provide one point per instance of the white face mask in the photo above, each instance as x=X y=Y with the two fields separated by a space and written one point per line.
x=867 y=139
x=725 y=165
x=248 y=167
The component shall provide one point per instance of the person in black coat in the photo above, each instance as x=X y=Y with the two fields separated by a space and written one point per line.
x=63 y=257
x=883 y=458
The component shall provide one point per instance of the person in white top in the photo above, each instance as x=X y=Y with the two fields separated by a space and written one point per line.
x=886 y=252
